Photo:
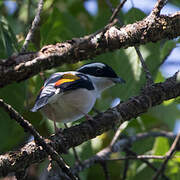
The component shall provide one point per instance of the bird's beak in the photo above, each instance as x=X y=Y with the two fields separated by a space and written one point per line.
x=118 y=80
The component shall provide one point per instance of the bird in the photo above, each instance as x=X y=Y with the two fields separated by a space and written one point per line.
x=68 y=96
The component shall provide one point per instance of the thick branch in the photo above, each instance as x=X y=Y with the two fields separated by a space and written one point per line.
x=38 y=138
x=151 y=96
x=150 y=29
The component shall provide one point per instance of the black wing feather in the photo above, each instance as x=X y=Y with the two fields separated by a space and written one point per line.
x=41 y=101
x=49 y=89
x=83 y=82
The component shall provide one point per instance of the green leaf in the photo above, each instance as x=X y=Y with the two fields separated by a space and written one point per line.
x=60 y=26
x=115 y=169
x=143 y=172
x=101 y=19
x=168 y=118
x=151 y=54
x=150 y=121
x=167 y=49
x=143 y=146
x=178 y=158
x=161 y=146
x=172 y=169
x=47 y=5
x=127 y=65
x=10 y=132
x=7 y=37
x=119 y=62
x=133 y=15
x=175 y=2
x=84 y=151
x=159 y=77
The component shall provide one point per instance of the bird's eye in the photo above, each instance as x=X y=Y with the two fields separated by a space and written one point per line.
x=99 y=71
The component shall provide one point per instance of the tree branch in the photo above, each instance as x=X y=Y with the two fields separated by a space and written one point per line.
x=150 y=96
x=119 y=146
x=158 y=6
x=116 y=11
x=126 y=167
x=34 y=26
x=141 y=157
x=149 y=164
x=169 y=154
x=21 y=67
x=38 y=138
x=145 y=68
x=105 y=169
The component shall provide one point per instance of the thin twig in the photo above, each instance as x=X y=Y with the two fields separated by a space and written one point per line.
x=119 y=146
x=74 y=149
x=114 y=140
x=113 y=20
x=105 y=169
x=38 y=138
x=132 y=3
x=126 y=166
x=28 y=11
x=112 y=9
x=34 y=26
x=145 y=68
x=168 y=156
x=158 y=6
x=77 y=160
x=147 y=162
x=142 y=157
x=103 y=122
x=116 y=11
x=21 y=67
x=118 y=132
x=110 y=5
x=149 y=81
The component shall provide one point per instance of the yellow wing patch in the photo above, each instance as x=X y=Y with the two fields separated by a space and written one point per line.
x=67 y=78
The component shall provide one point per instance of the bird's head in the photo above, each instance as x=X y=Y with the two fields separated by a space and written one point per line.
x=102 y=75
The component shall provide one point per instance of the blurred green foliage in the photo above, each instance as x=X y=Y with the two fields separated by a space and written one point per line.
x=65 y=19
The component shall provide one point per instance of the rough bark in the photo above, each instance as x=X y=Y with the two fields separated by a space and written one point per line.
x=150 y=29
x=150 y=96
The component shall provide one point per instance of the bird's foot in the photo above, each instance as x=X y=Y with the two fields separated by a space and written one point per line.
x=58 y=130
x=88 y=117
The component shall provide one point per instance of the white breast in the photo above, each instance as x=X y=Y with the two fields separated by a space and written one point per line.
x=70 y=106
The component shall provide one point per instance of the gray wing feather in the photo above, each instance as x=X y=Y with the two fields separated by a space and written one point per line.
x=47 y=92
